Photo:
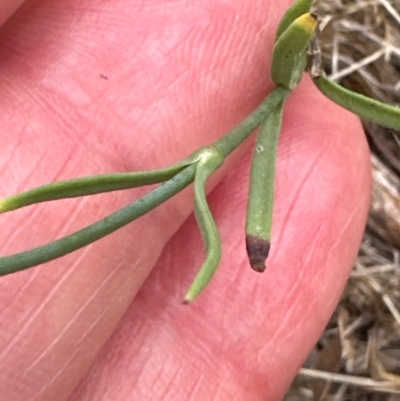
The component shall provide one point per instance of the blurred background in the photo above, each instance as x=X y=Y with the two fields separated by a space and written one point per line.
x=358 y=355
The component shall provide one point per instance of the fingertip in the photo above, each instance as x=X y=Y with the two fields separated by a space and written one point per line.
x=7 y=8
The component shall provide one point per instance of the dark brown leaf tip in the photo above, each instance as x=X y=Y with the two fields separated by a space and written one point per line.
x=257 y=251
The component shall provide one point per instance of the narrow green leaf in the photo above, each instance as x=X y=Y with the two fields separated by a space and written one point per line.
x=89 y=186
x=93 y=232
x=289 y=58
x=298 y=8
x=210 y=162
x=365 y=107
x=261 y=191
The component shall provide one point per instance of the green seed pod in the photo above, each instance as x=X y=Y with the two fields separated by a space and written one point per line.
x=289 y=58
x=299 y=8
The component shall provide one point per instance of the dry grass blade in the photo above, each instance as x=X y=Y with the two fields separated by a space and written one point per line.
x=357 y=381
x=358 y=355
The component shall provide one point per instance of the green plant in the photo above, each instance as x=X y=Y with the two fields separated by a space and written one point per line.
x=290 y=60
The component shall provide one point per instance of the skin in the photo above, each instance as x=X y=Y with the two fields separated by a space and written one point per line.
x=100 y=86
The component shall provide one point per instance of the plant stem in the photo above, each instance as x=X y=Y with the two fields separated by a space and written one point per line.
x=239 y=134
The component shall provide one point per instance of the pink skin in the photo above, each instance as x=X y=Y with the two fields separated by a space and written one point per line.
x=91 y=87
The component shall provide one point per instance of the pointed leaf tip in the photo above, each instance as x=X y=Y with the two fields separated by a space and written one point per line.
x=257 y=251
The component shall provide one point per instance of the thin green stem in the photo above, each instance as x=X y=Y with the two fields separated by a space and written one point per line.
x=93 y=232
x=239 y=134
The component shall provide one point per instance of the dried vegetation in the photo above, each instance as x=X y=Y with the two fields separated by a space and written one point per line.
x=358 y=355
